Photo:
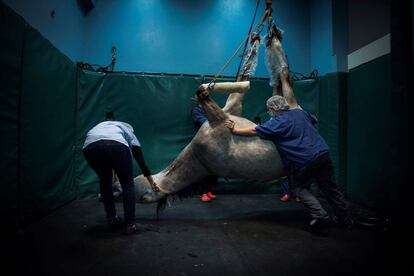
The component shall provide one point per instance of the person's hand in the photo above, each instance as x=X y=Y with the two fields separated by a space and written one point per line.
x=153 y=184
x=230 y=124
x=155 y=187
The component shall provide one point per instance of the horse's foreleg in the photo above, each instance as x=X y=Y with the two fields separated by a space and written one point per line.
x=214 y=113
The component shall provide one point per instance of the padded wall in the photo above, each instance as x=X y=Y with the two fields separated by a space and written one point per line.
x=38 y=93
x=47 y=127
x=11 y=37
x=333 y=121
x=369 y=134
x=90 y=110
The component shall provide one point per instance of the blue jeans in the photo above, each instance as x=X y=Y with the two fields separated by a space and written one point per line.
x=106 y=156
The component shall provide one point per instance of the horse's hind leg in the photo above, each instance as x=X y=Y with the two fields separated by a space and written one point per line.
x=234 y=101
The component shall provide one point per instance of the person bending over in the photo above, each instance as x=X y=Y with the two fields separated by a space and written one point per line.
x=108 y=148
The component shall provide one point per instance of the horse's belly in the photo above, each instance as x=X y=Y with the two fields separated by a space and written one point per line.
x=249 y=158
x=235 y=156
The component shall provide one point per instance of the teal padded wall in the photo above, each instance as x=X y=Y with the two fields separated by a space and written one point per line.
x=47 y=127
x=369 y=134
x=333 y=121
x=90 y=110
x=11 y=37
x=37 y=115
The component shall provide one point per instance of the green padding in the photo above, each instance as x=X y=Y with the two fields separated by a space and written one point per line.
x=11 y=37
x=158 y=107
x=47 y=127
x=332 y=121
x=90 y=111
x=307 y=95
x=369 y=134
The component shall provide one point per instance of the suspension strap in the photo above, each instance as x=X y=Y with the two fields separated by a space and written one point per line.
x=258 y=29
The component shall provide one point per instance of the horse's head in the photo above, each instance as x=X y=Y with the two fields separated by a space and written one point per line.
x=144 y=192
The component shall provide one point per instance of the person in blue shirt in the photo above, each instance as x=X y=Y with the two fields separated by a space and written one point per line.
x=305 y=156
x=107 y=149
x=199 y=118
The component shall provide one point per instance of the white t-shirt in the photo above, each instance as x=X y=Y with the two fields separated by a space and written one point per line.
x=112 y=130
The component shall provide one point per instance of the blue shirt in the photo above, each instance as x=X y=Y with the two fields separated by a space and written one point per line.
x=111 y=130
x=295 y=136
x=198 y=116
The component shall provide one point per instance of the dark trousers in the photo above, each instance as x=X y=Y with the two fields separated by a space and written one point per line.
x=321 y=170
x=207 y=184
x=284 y=185
x=106 y=156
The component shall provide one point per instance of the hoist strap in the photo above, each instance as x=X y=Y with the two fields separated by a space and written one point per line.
x=259 y=27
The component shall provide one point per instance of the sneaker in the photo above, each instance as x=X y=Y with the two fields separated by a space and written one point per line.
x=205 y=198
x=285 y=198
x=130 y=229
x=346 y=223
x=318 y=225
x=114 y=222
x=297 y=199
x=211 y=195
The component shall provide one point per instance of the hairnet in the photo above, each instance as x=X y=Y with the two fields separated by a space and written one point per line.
x=277 y=103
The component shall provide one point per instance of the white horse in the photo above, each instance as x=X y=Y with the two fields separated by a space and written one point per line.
x=215 y=150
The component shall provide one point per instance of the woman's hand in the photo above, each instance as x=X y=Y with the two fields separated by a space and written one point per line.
x=153 y=184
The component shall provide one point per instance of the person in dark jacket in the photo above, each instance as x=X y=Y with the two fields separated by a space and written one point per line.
x=305 y=155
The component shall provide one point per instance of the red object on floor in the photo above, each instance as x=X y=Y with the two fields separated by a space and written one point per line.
x=205 y=198
x=211 y=195
x=285 y=198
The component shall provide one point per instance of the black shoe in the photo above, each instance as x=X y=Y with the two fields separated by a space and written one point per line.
x=114 y=223
x=346 y=223
x=319 y=225
x=130 y=229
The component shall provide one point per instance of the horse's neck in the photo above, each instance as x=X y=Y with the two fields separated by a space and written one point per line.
x=185 y=170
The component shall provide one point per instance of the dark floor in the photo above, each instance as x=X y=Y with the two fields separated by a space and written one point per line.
x=234 y=235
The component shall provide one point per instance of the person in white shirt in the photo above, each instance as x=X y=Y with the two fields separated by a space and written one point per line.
x=107 y=149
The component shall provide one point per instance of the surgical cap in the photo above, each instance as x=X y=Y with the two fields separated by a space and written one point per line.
x=277 y=103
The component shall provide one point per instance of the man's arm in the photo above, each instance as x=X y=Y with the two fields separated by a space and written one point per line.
x=139 y=157
x=246 y=131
